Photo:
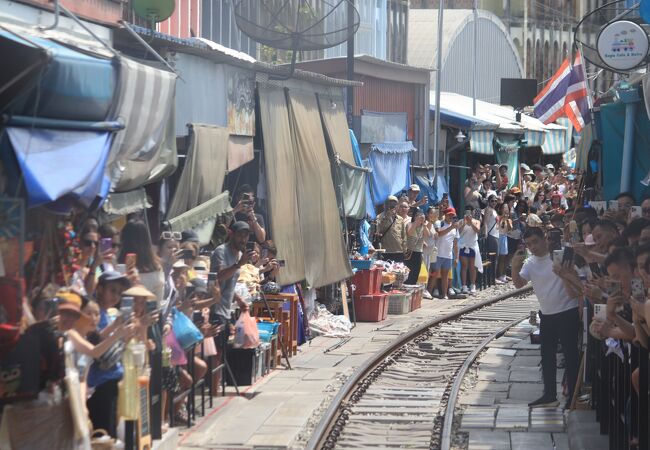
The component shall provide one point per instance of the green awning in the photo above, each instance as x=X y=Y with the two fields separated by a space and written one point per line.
x=203 y=217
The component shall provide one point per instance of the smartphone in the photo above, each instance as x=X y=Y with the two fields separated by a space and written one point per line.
x=636 y=212
x=197 y=317
x=186 y=254
x=281 y=263
x=595 y=269
x=265 y=253
x=152 y=306
x=250 y=246
x=558 y=256
x=568 y=255
x=600 y=311
x=105 y=244
x=126 y=306
x=131 y=260
x=555 y=239
x=638 y=290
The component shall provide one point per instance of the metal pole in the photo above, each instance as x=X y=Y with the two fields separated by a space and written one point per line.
x=350 y=62
x=628 y=146
x=436 y=124
x=474 y=65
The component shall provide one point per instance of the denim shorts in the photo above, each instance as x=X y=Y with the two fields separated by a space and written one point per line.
x=443 y=263
x=503 y=246
x=467 y=253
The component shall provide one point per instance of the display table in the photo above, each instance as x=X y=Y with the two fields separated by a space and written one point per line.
x=291 y=301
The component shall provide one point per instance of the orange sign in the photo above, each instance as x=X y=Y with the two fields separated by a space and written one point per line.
x=102 y=11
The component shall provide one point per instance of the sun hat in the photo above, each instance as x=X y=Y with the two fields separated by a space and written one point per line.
x=139 y=291
x=414 y=187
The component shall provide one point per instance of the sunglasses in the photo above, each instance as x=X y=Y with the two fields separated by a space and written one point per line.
x=89 y=243
x=169 y=235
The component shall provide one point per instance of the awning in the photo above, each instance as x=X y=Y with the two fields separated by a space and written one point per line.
x=124 y=203
x=202 y=218
x=57 y=164
x=73 y=86
x=145 y=151
x=394 y=147
x=490 y=119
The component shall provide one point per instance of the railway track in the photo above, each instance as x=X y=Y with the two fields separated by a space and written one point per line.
x=399 y=398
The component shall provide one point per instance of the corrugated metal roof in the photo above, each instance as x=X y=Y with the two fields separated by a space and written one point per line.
x=497 y=56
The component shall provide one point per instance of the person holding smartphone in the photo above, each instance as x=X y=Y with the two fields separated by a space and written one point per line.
x=226 y=260
x=244 y=210
x=558 y=311
x=468 y=245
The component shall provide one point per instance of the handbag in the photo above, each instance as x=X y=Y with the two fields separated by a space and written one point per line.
x=187 y=334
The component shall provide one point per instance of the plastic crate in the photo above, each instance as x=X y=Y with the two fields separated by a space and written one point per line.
x=361 y=264
x=416 y=295
x=364 y=283
x=378 y=278
x=371 y=308
x=399 y=303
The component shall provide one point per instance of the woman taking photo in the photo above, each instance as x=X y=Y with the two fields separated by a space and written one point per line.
x=468 y=245
x=136 y=239
x=416 y=233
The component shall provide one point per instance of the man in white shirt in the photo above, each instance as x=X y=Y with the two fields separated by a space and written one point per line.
x=559 y=319
x=447 y=250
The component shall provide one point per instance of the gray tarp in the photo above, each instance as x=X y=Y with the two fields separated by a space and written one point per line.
x=202 y=218
x=203 y=174
x=282 y=187
x=352 y=178
x=145 y=151
x=326 y=259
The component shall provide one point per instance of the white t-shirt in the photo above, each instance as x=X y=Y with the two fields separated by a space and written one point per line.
x=446 y=242
x=468 y=237
x=492 y=227
x=549 y=288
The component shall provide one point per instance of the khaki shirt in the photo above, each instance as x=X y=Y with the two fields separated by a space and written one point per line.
x=393 y=240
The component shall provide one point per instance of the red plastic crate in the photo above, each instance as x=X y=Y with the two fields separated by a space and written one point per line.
x=364 y=282
x=371 y=308
x=416 y=299
x=378 y=271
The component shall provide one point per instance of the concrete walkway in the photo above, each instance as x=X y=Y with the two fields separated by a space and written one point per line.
x=494 y=404
x=281 y=409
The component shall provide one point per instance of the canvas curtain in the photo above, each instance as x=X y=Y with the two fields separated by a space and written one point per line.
x=390 y=173
x=507 y=152
x=352 y=178
x=203 y=174
x=282 y=186
x=326 y=259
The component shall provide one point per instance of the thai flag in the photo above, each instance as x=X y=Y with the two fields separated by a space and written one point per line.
x=565 y=94
x=577 y=96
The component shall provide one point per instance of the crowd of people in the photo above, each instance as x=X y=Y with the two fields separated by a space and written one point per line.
x=122 y=289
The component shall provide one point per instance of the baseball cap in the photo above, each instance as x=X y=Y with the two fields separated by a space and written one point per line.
x=550 y=166
x=189 y=236
x=524 y=166
x=450 y=210
x=392 y=198
x=70 y=307
x=414 y=187
x=112 y=275
x=240 y=225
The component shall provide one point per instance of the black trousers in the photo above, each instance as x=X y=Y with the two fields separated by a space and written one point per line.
x=102 y=407
x=414 y=263
x=563 y=327
x=396 y=257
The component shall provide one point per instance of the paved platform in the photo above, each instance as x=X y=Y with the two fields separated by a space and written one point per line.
x=494 y=402
x=281 y=409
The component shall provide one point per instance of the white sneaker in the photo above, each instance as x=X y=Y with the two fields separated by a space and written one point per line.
x=499 y=281
x=445 y=298
x=472 y=289
x=436 y=293
x=451 y=292
x=464 y=290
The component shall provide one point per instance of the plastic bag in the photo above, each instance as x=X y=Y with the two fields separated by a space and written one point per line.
x=424 y=274
x=246 y=333
x=186 y=332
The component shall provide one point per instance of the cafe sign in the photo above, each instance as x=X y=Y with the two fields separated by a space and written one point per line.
x=622 y=45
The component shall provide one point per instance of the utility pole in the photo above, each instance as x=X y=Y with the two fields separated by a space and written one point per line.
x=474 y=65
x=436 y=124
x=350 y=62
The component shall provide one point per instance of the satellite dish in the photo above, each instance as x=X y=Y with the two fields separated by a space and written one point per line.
x=297 y=25
x=154 y=10
x=593 y=28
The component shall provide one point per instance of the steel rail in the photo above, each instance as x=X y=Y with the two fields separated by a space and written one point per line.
x=327 y=421
x=445 y=442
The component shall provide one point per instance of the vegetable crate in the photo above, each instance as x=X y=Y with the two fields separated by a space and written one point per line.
x=367 y=282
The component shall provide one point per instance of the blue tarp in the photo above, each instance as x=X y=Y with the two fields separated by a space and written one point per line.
x=370 y=208
x=74 y=86
x=390 y=174
x=57 y=164
x=455 y=119
x=424 y=179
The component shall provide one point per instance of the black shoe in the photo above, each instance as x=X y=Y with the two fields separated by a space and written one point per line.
x=544 y=400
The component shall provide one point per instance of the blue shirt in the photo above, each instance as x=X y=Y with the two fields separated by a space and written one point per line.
x=97 y=376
